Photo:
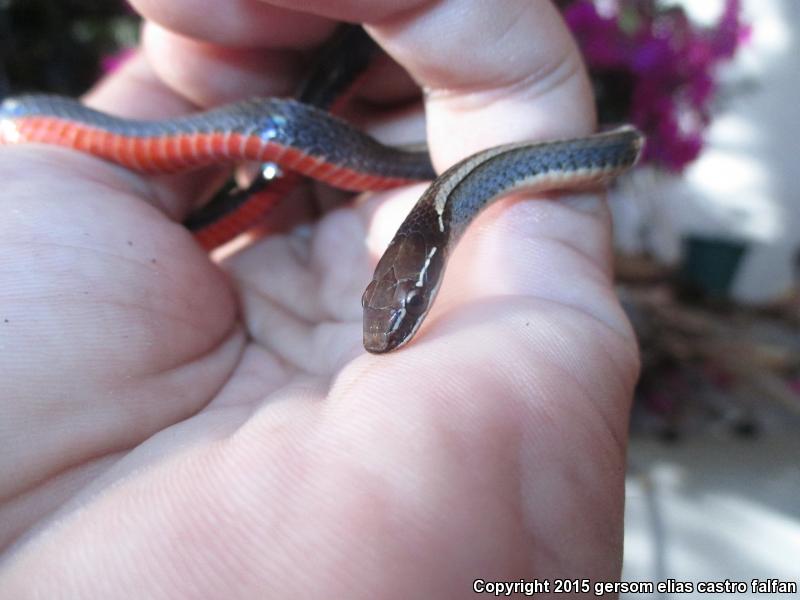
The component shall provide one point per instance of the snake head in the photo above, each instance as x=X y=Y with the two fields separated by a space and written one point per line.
x=401 y=292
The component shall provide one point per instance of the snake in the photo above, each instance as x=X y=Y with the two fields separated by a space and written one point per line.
x=303 y=139
x=340 y=65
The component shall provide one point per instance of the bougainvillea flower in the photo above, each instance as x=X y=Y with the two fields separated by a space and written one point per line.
x=652 y=66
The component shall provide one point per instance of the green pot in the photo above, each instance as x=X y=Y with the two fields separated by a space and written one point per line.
x=710 y=264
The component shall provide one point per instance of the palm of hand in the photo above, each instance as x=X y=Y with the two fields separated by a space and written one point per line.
x=217 y=435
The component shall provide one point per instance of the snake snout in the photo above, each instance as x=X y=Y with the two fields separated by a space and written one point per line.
x=376 y=335
x=376 y=343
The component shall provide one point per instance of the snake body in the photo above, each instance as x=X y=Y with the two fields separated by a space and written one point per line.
x=341 y=63
x=309 y=141
x=410 y=272
x=296 y=136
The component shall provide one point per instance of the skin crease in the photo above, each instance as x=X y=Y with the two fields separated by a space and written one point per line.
x=174 y=428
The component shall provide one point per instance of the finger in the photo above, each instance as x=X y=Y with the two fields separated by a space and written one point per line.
x=243 y=23
x=516 y=91
x=134 y=91
x=209 y=74
x=356 y=11
x=508 y=66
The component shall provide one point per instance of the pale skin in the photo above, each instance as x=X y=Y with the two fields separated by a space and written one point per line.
x=174 y=428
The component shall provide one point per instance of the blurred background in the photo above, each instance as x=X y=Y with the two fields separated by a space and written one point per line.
x=708 y=256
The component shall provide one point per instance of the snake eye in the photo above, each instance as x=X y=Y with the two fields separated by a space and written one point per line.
x=415 y=301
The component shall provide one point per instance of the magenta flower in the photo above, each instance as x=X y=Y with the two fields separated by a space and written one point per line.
x=652 y=66
x=112 y=62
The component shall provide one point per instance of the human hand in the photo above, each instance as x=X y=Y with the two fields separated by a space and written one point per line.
x=175 y=428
